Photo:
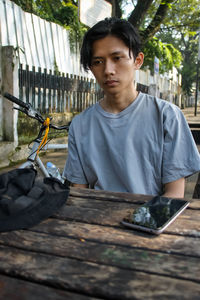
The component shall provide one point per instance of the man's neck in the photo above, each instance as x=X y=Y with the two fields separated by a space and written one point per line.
x=115 y=103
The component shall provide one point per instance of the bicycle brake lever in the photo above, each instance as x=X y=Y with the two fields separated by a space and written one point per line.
x=31 y=113
x=20 y=109
x=34 y=114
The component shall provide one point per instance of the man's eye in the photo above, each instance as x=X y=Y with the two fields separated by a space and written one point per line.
x=97 y=62
x=117 y=57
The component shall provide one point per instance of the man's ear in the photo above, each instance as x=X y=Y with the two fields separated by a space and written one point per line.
x=139 y=60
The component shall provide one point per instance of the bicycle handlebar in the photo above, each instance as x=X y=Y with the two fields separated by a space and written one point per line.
x=60 y=127
x=16 y=101
x=31 y=112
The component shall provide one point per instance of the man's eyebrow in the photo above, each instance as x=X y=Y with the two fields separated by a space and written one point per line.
x=117 y=52
x=96 y=57
x=112 y=53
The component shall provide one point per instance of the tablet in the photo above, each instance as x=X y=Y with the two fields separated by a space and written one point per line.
x=155 y=215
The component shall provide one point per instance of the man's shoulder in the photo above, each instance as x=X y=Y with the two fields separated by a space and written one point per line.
x=86 y=112
x=156 y=99
x=160 y=103
x=84 y=116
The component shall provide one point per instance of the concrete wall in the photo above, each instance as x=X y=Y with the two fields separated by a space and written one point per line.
x=167 y=86
x=8 y=116
x=10 y=85
x=1 y=107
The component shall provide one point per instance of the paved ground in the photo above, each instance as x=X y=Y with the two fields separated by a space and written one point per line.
x=56 y=157
x=189 y=114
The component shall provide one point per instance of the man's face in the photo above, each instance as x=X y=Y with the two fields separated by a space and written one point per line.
x=113 y=66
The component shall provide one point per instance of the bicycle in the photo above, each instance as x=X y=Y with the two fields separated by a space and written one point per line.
x=41 y=142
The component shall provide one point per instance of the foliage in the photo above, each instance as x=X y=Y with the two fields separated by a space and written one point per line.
x=171 y=22
x=188 y=46
x=147 y=16
x=181 y=29
x=189 y=68
x=26 y=5
x=184 y=17
x=168 y=55
x=67 y=14
x=188 y=77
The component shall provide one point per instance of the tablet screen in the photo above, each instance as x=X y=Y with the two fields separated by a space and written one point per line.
x=157 y=212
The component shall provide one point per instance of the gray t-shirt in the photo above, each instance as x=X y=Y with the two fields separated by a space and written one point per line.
x=137 y=150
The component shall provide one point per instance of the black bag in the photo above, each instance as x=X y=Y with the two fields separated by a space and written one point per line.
x=25 y=201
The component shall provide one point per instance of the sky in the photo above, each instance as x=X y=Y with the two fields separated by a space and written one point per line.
x=128 y=9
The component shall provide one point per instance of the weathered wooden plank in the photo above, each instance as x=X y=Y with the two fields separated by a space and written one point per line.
x=103 y=205
x=92 y=279
x=110 y=216
x=107 y=195
x=14 y=289
x=119 y=197
x=188 y=223
x=114 y=255
x=108 y=203
x=97 y=203
x=120 y=236
x=195 y=204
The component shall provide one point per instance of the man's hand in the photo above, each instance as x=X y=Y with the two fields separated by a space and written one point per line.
x=175 y=189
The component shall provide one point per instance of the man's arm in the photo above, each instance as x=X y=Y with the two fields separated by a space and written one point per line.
x=175 y=189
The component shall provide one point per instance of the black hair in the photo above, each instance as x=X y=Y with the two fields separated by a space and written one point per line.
x=119 y=28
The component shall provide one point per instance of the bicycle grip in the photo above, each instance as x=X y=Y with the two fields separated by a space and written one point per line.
x=16 y=100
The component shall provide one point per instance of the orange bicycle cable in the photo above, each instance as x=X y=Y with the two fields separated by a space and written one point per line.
x=44 y=140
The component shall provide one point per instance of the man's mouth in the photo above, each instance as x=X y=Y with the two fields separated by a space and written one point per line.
x=111 y=82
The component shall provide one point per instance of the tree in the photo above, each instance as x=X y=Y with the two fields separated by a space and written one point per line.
x=168 y=55
x=142 y=12
x=116 y=7
x=147 y=16
x=181 y=29
x=168 y=28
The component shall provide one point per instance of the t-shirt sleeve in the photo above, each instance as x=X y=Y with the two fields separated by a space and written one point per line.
x=180 y=154
x=73 y=170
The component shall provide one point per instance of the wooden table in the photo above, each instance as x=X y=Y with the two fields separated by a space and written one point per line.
x=84 y=253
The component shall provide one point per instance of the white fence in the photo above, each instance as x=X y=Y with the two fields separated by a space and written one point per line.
x=38 y=42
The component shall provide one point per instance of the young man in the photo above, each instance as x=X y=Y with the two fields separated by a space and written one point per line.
x=128 y=141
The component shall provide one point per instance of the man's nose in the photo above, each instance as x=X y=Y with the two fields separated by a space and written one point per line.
x=109 y=67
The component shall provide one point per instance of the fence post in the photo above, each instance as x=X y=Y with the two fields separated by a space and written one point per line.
x=10 y=85
x=1 y=104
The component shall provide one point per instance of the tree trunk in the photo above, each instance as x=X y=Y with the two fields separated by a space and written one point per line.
x=154 y=26
x=139 y=13
x=116 y=9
